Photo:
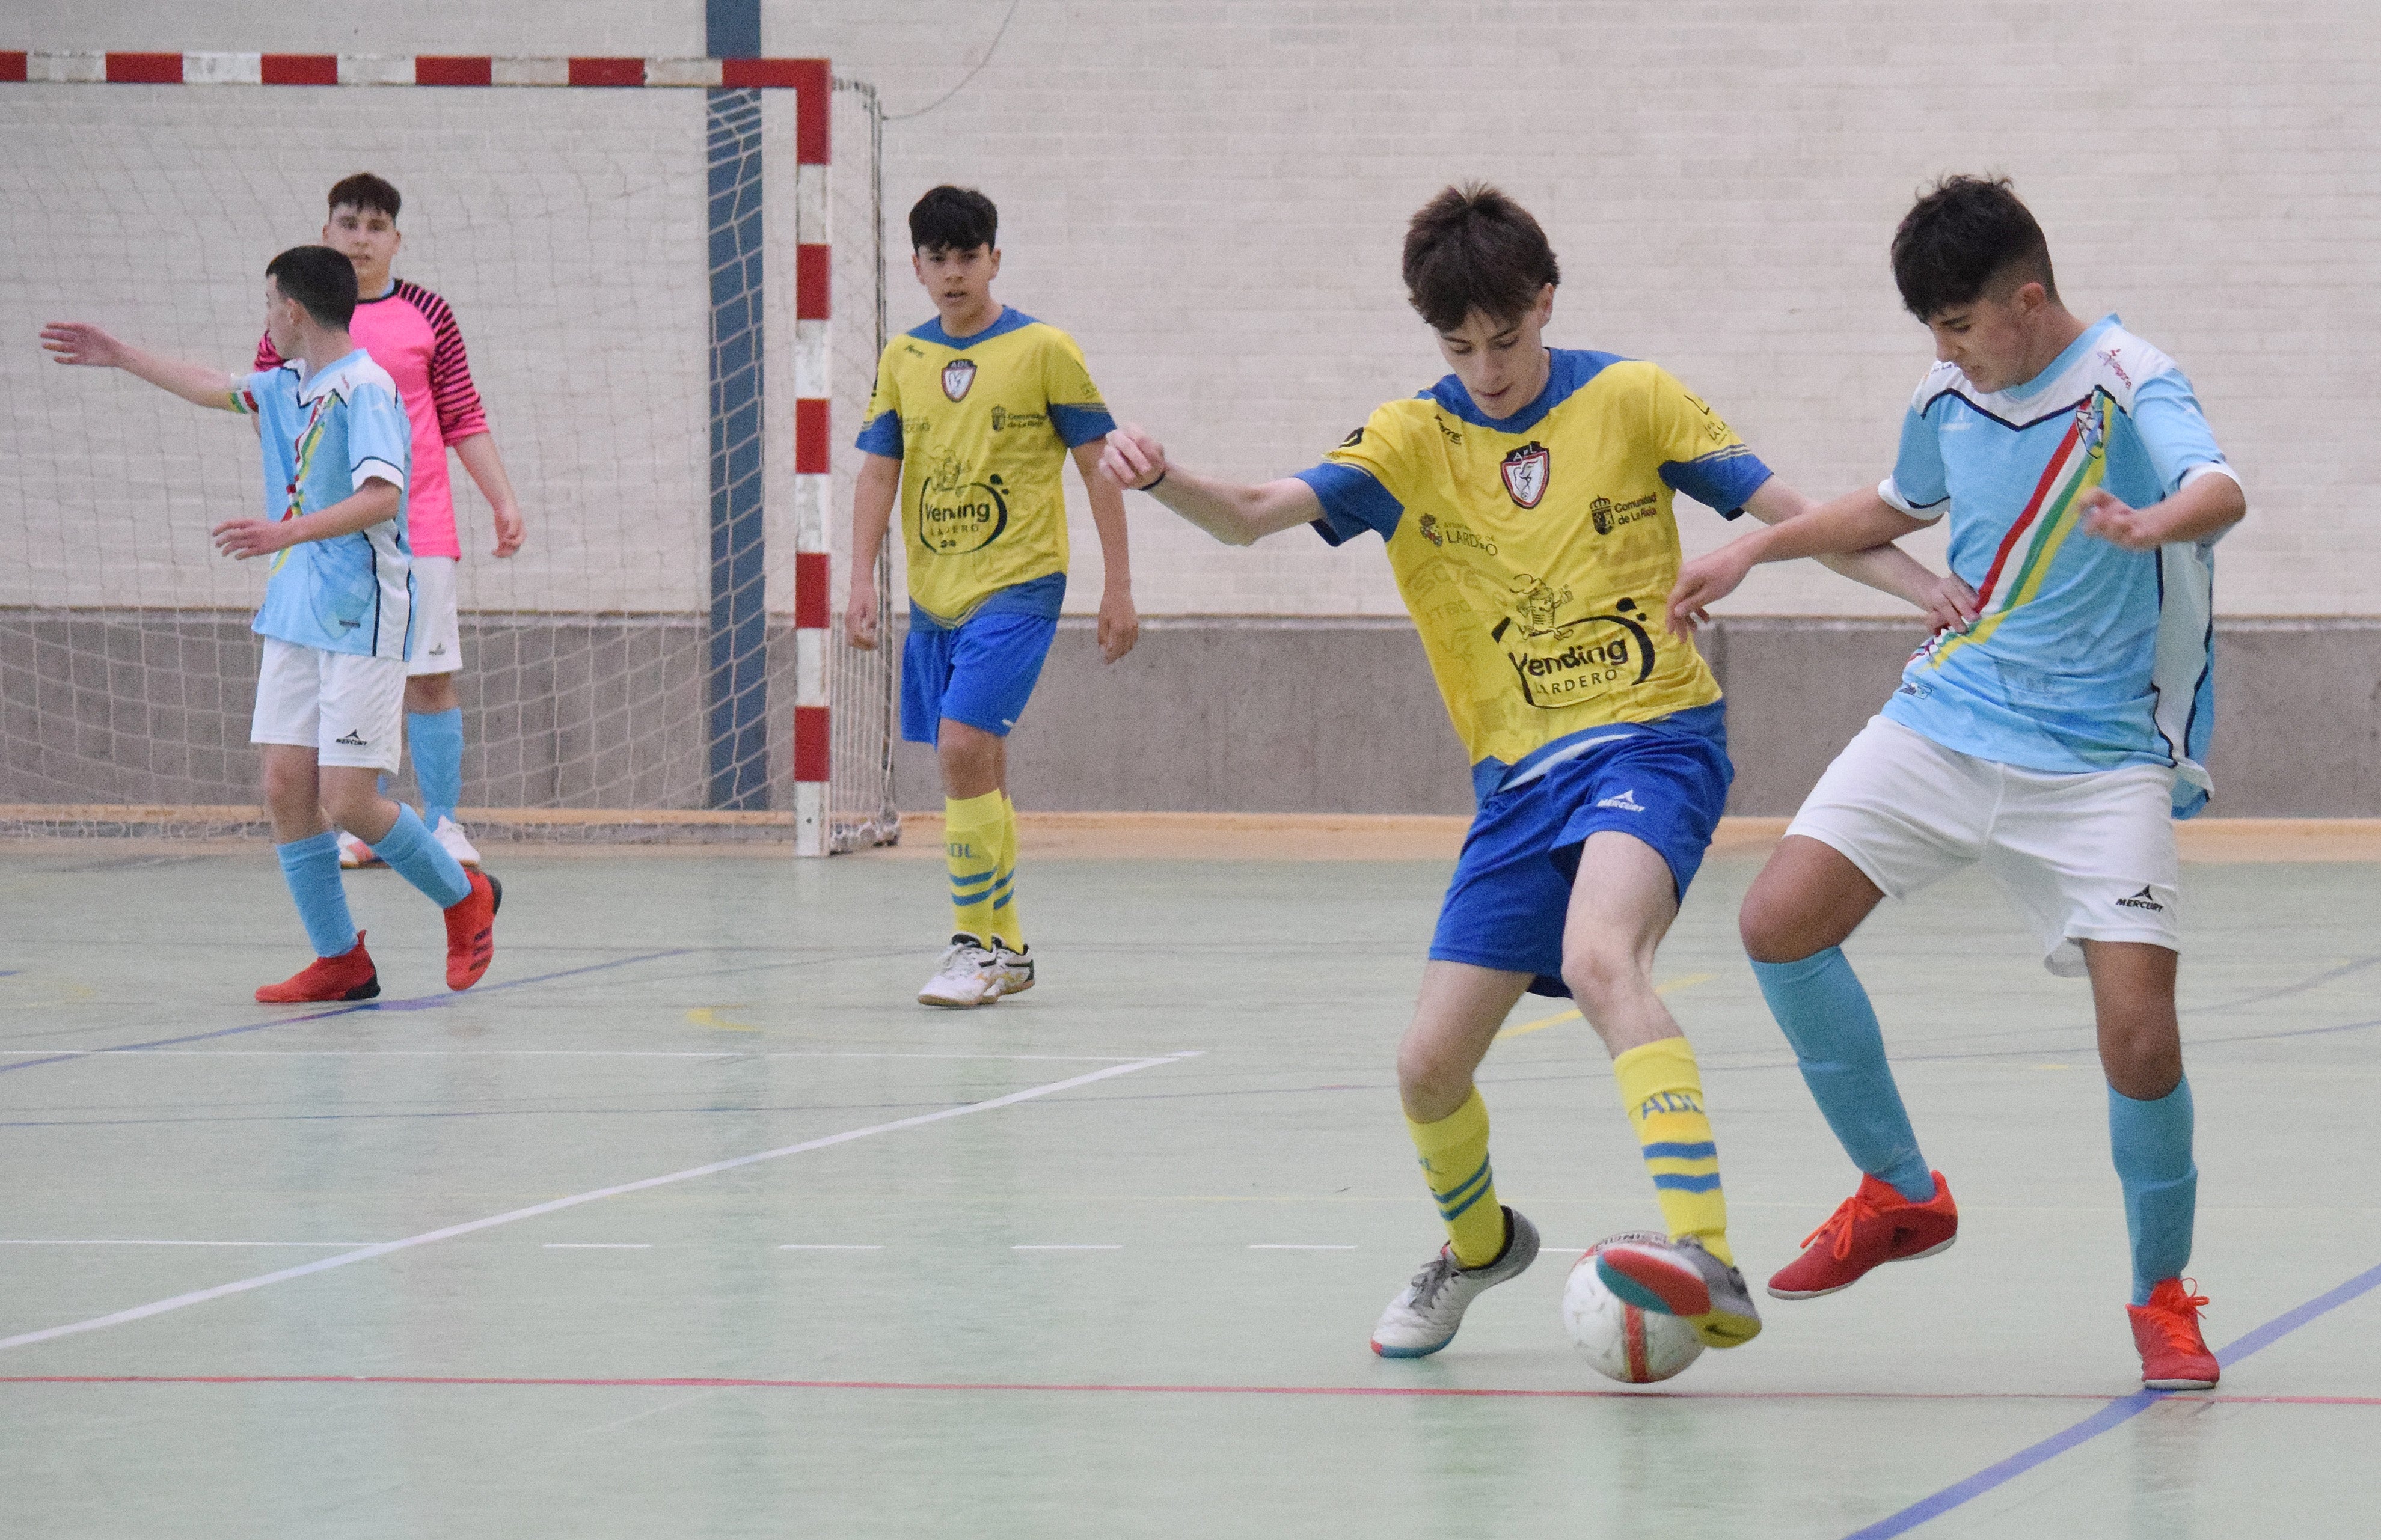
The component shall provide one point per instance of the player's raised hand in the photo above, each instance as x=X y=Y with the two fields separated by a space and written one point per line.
x=1704 y=582
x=1133 y=458
x=79 y=341
x=2109 y=517
x=1950 y=604
x=860 y=615
x=241 y=537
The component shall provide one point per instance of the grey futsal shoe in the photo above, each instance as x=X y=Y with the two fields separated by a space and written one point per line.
x=1424 y=1318
x=1679 y=1277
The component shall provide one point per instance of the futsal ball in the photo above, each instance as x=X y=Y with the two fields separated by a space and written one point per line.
x=1635 y=1346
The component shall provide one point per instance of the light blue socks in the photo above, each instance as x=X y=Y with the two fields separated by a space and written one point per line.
x=1826 y=1015
x=414 y=856
x=2151 y=1141
x=437 y=741
x=310 y=867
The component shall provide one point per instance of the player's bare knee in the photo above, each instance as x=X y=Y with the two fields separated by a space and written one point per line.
x=1602 y=979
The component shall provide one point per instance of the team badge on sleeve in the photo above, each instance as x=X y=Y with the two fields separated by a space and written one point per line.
x=958 y=375
x=1526 y=471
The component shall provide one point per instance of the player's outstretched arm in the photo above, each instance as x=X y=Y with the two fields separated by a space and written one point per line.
x=374 y=500
x=1853 y=523
x=1949 y=601
x=2208 y=506
x=872 y=494
x=478 y=455
x=79 y=341
x=1119 y=622
x=1235 y=513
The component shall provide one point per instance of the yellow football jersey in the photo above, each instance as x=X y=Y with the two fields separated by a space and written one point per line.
x=1537 y=552
x=981 y=426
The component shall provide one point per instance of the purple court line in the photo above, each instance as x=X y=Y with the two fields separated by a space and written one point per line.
x=418 y=1002
x=2116 y=1414
x=1390 y=1391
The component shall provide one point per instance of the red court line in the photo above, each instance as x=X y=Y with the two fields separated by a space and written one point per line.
x=720 y=1383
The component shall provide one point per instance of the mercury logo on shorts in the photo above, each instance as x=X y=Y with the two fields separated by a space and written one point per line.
x=354 y=740
x=1626 y=802
x=2142 y=901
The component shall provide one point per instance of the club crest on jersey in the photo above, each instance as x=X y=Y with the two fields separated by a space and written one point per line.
x=958 y=375
x=1526 y=470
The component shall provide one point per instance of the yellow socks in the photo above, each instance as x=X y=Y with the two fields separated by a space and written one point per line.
x=1455 y=1163
x=1663 y=1095
x=971 y=844
x=1004 y=923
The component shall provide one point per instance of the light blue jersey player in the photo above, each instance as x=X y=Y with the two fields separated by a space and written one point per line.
x=338 y=615
x=2051 y=739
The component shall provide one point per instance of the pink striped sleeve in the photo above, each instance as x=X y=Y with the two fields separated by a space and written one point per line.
x=457 y=400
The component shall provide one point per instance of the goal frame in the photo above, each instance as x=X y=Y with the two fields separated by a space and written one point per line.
x=815 y=829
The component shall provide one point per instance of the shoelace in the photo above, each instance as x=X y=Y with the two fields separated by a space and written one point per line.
x=1433 y=1280
x=1841 y=1224
x=2179 y=1319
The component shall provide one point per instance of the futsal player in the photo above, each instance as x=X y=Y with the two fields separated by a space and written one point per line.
x=336 y=614
x=1525 y=501
x=974 y=415
x=410 y=333
x=2053 y=738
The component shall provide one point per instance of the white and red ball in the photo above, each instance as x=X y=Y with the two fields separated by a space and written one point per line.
x=1625 y=1343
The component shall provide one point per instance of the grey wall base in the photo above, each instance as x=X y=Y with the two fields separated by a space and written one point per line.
x=1207 y=714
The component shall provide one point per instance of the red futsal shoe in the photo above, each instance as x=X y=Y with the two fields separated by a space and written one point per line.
x=349 y=976
x=472 y=930
x=1874 y=1225
x=2174 y=1355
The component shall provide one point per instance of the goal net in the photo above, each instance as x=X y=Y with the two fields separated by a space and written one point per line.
x=643 y=663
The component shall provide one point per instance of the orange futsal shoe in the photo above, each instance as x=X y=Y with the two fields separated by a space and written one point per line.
x=472 y=930
x=1872 y=1225
x=349 y=976
x=2174 y=1355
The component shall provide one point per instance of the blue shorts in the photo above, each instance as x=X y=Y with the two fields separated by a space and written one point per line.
x=1665 y=782
x=980 y=671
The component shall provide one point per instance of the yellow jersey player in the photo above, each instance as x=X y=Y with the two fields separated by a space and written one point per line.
x=974 y=414
x=1525 y=501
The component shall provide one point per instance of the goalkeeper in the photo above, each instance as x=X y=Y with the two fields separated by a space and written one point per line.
x=338 y=614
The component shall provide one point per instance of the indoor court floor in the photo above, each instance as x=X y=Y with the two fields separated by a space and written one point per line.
x=688 y=1222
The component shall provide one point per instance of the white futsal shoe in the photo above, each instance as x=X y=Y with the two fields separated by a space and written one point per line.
x=969 y=976
x=1013 y=971
x=452 y=840
x=354 y=855
x=1424 y=1318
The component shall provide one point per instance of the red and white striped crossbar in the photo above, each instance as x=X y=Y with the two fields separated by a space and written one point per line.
x=809 y=79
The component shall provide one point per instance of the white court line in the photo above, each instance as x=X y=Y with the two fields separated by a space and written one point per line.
x=1299 y=1248
x=550 y=1053
x=799 y=1247
x=365 y=1253
x=331 y=1244
x=1066 y=1248
x=599 y=1245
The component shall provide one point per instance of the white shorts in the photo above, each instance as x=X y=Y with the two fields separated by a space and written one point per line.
x=2084 y=857
x=350 y=711
x=437 y=633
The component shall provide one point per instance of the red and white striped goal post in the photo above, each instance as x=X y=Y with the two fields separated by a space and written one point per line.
x=810 y=79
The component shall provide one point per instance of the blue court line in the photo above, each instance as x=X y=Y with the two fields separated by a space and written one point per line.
x=2116 y=1414
x=420 y=1003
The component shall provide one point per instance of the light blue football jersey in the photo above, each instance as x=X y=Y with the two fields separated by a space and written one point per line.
x=2086 y=656
x=324 y=436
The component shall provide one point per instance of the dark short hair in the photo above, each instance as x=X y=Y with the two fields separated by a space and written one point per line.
x=1473 y=248
x=1966 y=235
x=319 y=279
x=366 y=194
x=953 y=219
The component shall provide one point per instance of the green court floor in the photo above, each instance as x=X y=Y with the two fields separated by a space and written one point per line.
x=688 y=1222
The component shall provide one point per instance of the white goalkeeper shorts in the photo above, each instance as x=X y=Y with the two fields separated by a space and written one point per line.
x=350 y=711
x=437 y=633
x=2084 y=857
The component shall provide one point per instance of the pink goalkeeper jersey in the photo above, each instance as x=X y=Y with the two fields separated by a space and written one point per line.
x=411 y=334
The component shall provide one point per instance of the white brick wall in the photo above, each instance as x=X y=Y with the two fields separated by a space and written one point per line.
x=1211 y=197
